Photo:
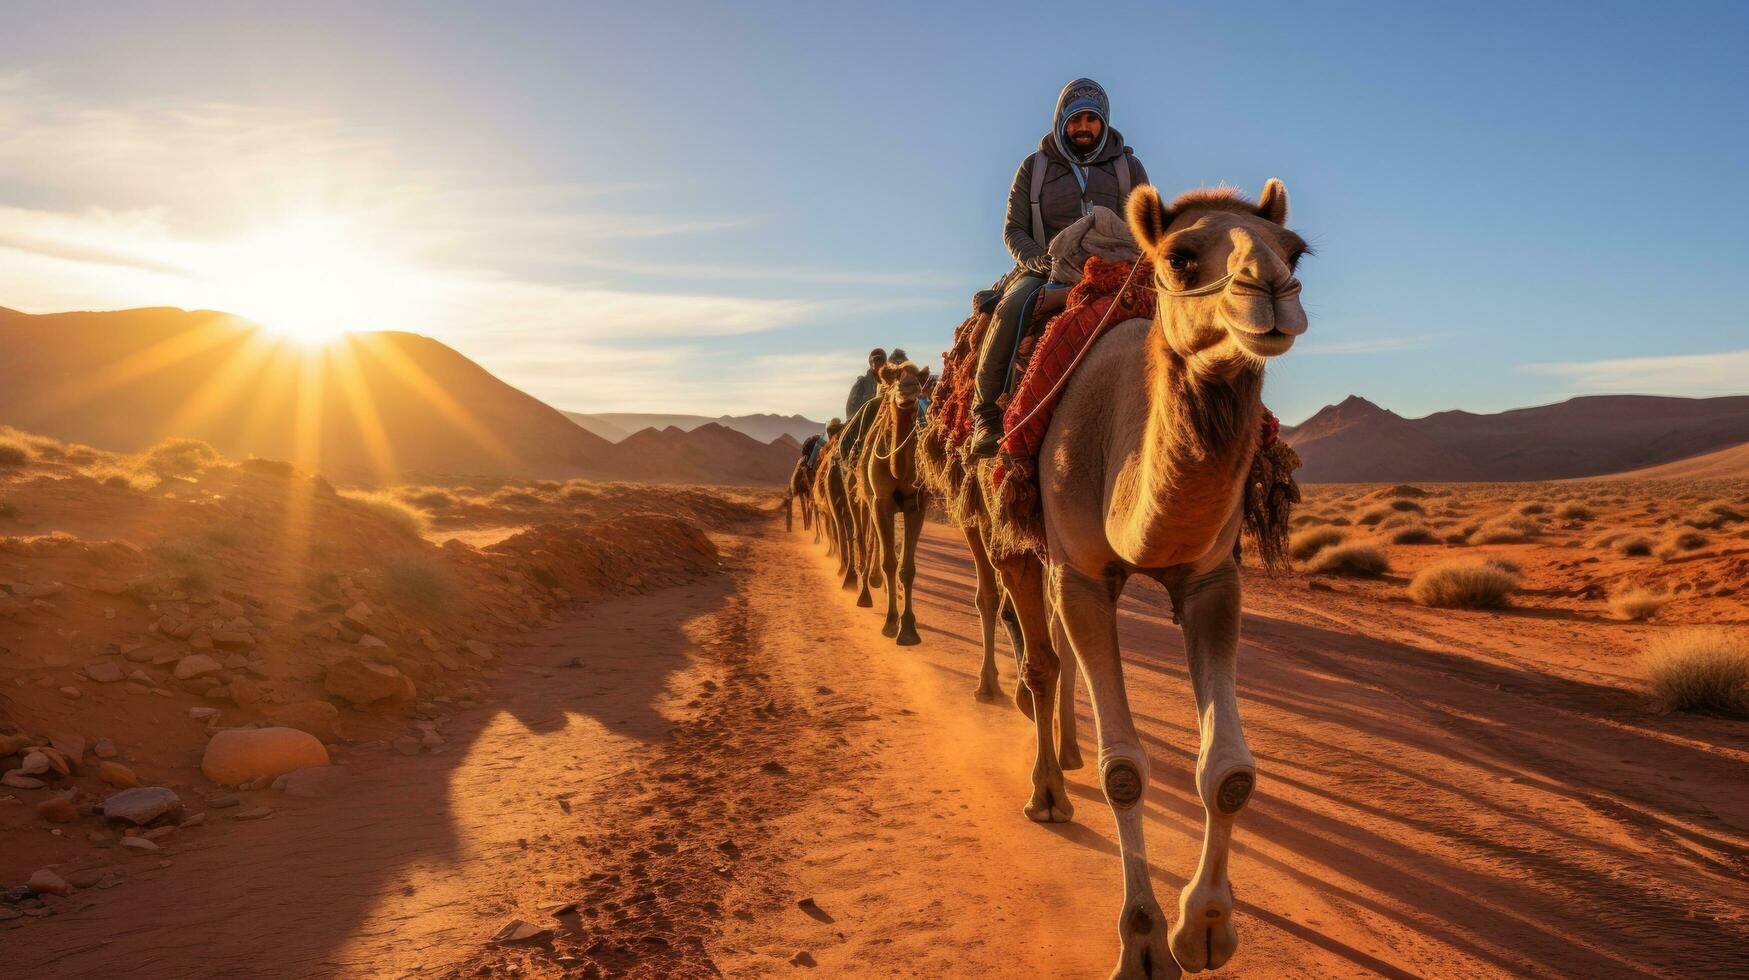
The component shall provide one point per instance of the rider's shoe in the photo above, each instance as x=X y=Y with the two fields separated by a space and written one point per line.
x=987 y=432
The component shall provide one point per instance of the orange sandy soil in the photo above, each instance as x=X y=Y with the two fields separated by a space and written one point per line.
x=1443 y=792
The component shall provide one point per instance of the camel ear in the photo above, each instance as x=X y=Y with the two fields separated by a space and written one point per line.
x=925 y=380
x=1272 y=206
x=888 y=373
x=1148 y=218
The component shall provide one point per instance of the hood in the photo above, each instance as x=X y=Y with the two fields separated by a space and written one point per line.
x=1082 y=95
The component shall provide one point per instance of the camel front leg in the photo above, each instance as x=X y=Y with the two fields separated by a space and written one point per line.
x=907 y=575
x=989 y=599
x=1204 y=937
x=1087 y=608
x=867 y=548
x=1024 y=580
x=887 y=552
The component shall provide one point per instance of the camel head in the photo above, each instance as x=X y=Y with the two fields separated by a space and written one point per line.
x=1225 y=271
x=906 y=381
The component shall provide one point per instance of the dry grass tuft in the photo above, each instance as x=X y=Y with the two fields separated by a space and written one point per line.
x=1633 y=545
x=1732 y=513
x=1687 y=540
x=430 y=498
x=1414 y=534
x=1574 y=512
x=1407 y=506
x=1699 y=670
x=405 y=519
x=1505 y=529
x=179 y=456
x=1463 y=584
x=13 y=453
x=1534 y=507
x=1635 y=603
x=1305 y=544
x=1373 y=516
x=517 y=497
x=417 y=582
x=1352 y=559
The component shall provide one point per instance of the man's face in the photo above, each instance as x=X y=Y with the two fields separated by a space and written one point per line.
x=1083 y=130
x=876 y=362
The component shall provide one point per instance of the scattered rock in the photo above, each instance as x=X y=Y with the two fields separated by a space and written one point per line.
x=479 y=649
x=193 y=821
x=16 y=781
x=35 y=761
x=103 y=748
x=11 y=744
x=358 y=617
x=246 y=692
x=196 y=665
x=70 y=692
x=46 y=882
x=407 y=745
x=71 y=746
x=316 y=782
x=803 y=959
x=319 y=718
x=223 y=801
x=58 y=809
x=87 y=877
x=252 y=813
x=140 y=844
x=259 y=753
x=117 y=775
x=104 y=672
x=141 y=805
x=519 y=931
x=233 y=640
x=363 y=683
x=202 y=714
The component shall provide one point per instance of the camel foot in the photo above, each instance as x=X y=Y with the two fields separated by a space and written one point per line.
x=988 y=689
x=865 y=600
x=908 y=636
x=1234 y=790
x=1146 y=955
x=1204 y=937
x=1069 y=756
x=1023 y=699
x=890 y=628
x=1047 y=806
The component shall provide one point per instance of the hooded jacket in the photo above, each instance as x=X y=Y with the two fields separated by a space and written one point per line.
x=1073 y=186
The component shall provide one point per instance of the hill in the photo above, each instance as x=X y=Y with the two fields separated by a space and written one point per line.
x=615 y=426
x=1731 y=463
x=371 y=405
x=710 y=453
x=1356 y=441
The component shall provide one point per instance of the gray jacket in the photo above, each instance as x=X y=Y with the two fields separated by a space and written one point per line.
x=861 y=390
x=1063 y=200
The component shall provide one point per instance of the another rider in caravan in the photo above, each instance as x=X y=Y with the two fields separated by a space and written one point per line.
x=1081 y=163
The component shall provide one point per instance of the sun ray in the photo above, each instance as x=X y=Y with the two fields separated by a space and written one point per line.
x=434 y=394
x=163 y=354
x=221 y=389
x=343 y=357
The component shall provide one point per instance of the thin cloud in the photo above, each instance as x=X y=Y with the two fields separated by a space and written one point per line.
x=1365 y=345
x=1694 y=375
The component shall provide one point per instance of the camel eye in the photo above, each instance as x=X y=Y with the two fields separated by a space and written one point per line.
x=1178 y=261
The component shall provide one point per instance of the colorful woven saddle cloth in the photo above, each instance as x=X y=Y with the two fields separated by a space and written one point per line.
x=1092 y=304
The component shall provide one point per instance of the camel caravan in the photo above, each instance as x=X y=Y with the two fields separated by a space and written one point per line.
x=1108 y=423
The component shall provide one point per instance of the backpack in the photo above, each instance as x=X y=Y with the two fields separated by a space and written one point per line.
x=1040 y=162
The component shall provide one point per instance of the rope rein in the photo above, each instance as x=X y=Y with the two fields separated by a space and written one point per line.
x=889 y=455
x=1051 y=395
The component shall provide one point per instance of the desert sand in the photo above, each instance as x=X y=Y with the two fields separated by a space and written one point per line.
x=691 y=754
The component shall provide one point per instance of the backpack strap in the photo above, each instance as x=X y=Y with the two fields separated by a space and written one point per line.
x=1039 y=164
x=1124 y=178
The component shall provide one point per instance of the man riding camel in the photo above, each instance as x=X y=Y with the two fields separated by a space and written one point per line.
x=863 y=389
x=1080 y=163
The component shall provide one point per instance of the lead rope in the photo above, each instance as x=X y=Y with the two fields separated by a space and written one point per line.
x=1115 y=299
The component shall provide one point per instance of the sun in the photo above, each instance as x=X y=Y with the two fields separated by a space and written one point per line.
x=314 y=278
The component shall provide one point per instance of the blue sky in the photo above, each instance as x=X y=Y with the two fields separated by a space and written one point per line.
x=715 y=207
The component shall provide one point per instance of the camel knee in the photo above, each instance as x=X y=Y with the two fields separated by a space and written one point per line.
x=1041 y=671
x=1123 y=775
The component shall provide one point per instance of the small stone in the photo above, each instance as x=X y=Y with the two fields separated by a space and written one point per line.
x=57 y=809
x=158 y=833
x=46 y=882
x=252 y=813
x=519 y=931
x=314 y=783
x=86 y=877
x=137 y=654
x=140 y=844
x=70 y=692
x=233 y=640
x=363 y=682
x=16 y=781
x=194 y=821
x=358 y=617
x=803 y=958
x=35 y=761
x=195 y=665
x=223 y=801
x=103 y=748
x=479 y=649
x=70 y=746
x=202 y=714
x=240 y=754
x=407 y=745
x=104 y=672
x=319 y=718
x=117 y=775
x=431 y=740
x=369 y=641
x=141 y=805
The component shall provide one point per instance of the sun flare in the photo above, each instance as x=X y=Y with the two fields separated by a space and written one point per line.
x=313 y=279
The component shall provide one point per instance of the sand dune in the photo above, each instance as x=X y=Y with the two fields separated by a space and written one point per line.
x=1731 y=463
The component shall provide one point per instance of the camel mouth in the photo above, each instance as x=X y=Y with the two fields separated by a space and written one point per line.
x=1270 y=343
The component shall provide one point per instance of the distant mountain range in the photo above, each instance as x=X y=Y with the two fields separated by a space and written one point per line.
x=709 y=453
x=1356 y=441
x=615 y=426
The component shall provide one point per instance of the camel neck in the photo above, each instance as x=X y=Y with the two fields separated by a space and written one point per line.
x=1197 y=442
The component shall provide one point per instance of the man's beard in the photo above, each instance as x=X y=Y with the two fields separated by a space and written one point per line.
x=1083 y=142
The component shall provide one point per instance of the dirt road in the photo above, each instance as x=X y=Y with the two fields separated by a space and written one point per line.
x=1431 y=804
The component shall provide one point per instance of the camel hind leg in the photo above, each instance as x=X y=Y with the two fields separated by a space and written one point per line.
x=1068 y=746
x=1017 y=643
x=989 y=600
x=882 y=514
x=908 y=576
x=1023 y=577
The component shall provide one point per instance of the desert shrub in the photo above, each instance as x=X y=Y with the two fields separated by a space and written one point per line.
x=430 y=498
x=578 y=492
x=1407 y=506
x=1699 y=670
x=1505 y=529
x=1401 y=490
x=1351 y=559
x=268 y=467
x=180 y=456
x=1462 y=584
x=516 y=497
x=13 y=453
x=547 y=485
x=1305 y=544
x=1413 y=534
x=1687 y=540
x=1574 y=512
x=1300 y=520
x=1727 y=510
x=193 y=565
x=417 y=582
x=1457 y=537
x=1533 y=508
x=7 y=511
x=1606 y=539
x=1339 y=522
x=1373 y=516
x=1636 y=603
x=405 y=519
x=1504 y=565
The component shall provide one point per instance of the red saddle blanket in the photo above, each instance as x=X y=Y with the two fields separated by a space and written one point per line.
x=1093 y=304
